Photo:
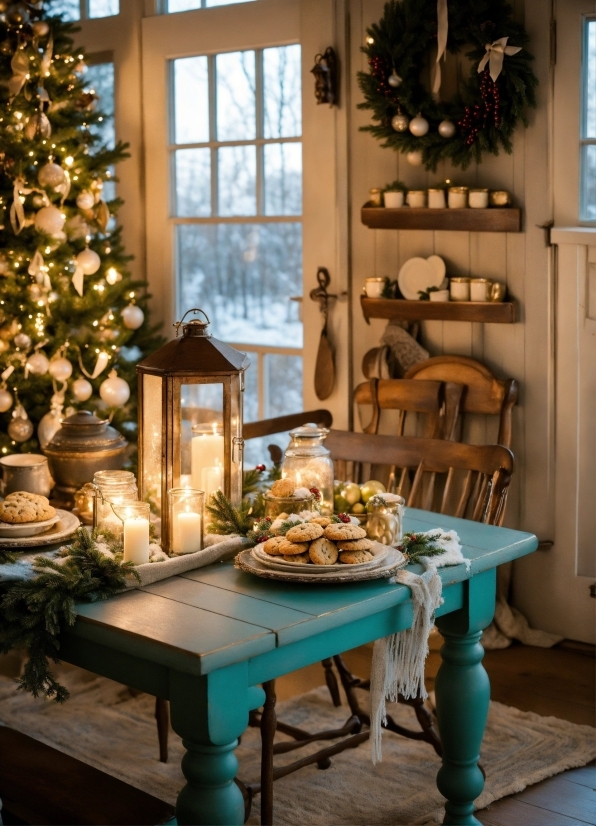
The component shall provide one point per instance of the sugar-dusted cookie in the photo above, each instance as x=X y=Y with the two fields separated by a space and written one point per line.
x=283 y=488
x=305 y=532
x=271 y=546
x=354 y=557
x=355 y=545
x=323 y=521
x=288 y=548
x=323 y=552
x=21 y=507
x=302 y=559
x=339 y=532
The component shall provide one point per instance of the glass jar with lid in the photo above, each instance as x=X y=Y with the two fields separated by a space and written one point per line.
x=308 y=463
x=385 y=518
x=112 y=487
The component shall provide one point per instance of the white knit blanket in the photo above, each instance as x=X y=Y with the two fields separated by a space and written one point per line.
x=398 y=661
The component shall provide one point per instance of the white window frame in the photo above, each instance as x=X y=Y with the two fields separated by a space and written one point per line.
x=583 y=140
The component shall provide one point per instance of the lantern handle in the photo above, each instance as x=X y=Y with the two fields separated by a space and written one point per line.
x=178 y=324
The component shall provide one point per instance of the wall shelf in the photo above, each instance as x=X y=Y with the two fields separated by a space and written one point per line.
x=482 y=311
x=471 y=220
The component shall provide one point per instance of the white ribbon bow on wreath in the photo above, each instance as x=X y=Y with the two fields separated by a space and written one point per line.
x=495 y=53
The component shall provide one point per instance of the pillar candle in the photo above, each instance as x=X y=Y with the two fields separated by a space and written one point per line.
x=187 y=533
x=212 y=479
x=136 y=540
x=207 y=452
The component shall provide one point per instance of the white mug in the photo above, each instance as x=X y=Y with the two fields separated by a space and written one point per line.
x=393 y=200
x=416 y=198
x=459 y=289
x=373 y=287
x=480 y=289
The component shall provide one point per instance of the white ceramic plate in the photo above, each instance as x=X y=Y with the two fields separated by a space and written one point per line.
x=378 y=551
x=387 y=568
x=26 y=529
x=61 y=530
x=420 y=274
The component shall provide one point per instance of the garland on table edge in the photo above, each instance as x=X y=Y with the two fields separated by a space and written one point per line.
x=484 y=112
x=7 y=557
x=415 y=545
x=34 y=611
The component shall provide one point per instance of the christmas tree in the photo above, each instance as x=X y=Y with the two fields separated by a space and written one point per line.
x=73 y=323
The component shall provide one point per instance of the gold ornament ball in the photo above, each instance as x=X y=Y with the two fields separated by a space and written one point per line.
x=5 y=401
x=400 y=122
x=114 y=390
x=41 y=28
x=414 y=158
x=82 y=390
x=20 y=429
x=51 y=174
x=49 y=219
x=85 y=200
x=89 y=261
x=38 y=364
x=419 y=126
x=22 y=341
x=446 y=129
x=47 y=428
x=60 y=369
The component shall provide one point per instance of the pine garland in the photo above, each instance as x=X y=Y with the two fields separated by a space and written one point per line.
x=415 y=545
x=486 y=113
x=35 y=611
x=225 y=518
x=8 y=557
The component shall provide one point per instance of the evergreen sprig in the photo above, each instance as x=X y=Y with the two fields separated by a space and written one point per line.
x=225 y=518
x=7 y=557
x=35 y=611
x=415 y=545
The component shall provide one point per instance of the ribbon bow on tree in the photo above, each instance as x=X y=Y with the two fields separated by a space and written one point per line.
x=495 y=53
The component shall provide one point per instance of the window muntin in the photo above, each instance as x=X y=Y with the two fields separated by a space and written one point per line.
x=72 y=10
x=587 y=187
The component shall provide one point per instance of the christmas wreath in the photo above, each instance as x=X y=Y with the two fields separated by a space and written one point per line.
x=481 y=117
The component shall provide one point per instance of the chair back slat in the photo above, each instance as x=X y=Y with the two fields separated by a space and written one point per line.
x=281 y=424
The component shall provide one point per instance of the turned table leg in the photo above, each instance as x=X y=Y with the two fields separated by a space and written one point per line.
x=462 y=699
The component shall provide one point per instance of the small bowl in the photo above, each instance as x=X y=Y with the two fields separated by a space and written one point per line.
x=25 y=529
x=439 y=295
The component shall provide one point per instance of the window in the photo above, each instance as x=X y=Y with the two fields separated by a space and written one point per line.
x=99 y=76
x=84 y=9
x=588 y=125
x=236 y=202
x=187 y=5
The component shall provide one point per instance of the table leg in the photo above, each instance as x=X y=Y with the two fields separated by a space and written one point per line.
x=210 y=712
x=462 y=698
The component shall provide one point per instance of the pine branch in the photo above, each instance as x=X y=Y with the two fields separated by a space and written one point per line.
x=8 y=557
x=415 y=545
x=225 y=518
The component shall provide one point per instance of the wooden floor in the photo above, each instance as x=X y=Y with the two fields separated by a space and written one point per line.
x=558 y=682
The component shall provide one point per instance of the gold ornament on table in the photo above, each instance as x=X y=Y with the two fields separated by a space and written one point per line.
x=83 y=503
x=190 y=418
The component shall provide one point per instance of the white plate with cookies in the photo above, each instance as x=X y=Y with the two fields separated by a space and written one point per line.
x=377 y=551
x=63 y=527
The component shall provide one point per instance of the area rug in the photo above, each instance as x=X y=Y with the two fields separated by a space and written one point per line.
x=105 y=725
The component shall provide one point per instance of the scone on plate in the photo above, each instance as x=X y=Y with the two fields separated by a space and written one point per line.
x=21 y=507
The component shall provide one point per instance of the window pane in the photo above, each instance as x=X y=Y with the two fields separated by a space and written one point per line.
x=236 y=118
x=588 y=180
x=103 y=8
x=243 y=275
x=286 y=372
x=66 y=9
x=185 y=5
x=283 y=179
x=225 y=2
x=590 y=81
x=237 y=190
x=100 y=78
x=282 y=92
x=191 y=100
x=193 y=182
x=251 y=389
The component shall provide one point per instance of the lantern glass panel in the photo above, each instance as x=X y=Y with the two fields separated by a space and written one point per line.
x=152 y=436
x=201 y=437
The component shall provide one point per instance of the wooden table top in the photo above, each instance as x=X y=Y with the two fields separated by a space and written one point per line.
x=216 y=616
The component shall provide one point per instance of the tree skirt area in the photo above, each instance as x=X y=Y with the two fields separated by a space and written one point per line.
x=104 y=724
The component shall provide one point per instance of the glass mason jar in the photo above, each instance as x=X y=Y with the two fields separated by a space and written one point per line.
x=385 y=518
x=285 y=505
x=308 y=463
x=186 y=519
x=112 y=487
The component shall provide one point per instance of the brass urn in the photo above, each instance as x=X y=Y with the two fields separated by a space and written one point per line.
x=83 y=445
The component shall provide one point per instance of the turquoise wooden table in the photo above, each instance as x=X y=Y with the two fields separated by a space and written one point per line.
x=207 y=639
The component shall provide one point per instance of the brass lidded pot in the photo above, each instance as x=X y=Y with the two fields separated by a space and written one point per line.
x=83 y=445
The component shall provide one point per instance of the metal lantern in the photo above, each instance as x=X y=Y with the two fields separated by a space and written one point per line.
x=190 y=419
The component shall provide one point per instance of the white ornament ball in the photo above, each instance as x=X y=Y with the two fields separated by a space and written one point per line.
x=47 y=428
x=419 y=126
x=38 y=364
x=85 y=200
x=6 y=401
x=400 y=122
x=89 y=261
x=394 y=80
x=22 y=341
x=414 y=158
x=51 y=175
x=82 y=390
x=20 y=429
x=114 y=390
x=50 y=220
x=132 y=316
x=60 y=369
x=446 y=129
x=40 y=28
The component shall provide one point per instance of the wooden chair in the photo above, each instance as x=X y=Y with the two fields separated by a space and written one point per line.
x=485 y=501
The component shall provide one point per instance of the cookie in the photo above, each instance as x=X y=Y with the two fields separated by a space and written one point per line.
x=302 y=559
x=271 y=546
x=354 y=557
x=21 y=507
x=283 y=488
x=288 y=548
x=323 y=552
x=340 y=532
x=323 y=521
x=355 y=545
x=304 y=533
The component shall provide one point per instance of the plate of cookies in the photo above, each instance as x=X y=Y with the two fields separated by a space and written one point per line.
x=28 y=519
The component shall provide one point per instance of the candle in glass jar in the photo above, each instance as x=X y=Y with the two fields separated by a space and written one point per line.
x=207 y=452
x=187 y=533
x=136 y=540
